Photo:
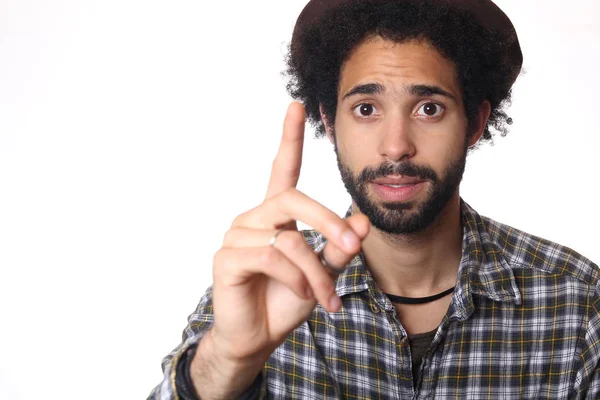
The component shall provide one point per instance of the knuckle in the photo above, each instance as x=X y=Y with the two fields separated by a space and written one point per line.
x=248 y=218
x=298 y=282
x=336 y=222
x=295 y=241
x=245 y=218
x=293 y=172
x=324 y=285
x=218 y=262
x=228 y=237
x=269 y=257
x=238 y=221
x=217 y=257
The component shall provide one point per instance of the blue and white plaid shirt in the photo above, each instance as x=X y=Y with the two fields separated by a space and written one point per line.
x=523 y=323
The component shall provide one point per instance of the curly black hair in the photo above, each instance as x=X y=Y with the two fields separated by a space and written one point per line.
x=315 y=60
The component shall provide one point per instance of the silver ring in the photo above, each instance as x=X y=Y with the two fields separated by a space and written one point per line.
x=333 y=270
x=274 y=237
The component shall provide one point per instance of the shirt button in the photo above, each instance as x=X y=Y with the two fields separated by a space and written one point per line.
x=375 y=308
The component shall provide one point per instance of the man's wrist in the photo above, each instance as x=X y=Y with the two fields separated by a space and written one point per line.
x=215 y=377
x=183 y=380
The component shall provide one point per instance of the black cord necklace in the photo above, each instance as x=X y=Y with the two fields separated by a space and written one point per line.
x=418 y=300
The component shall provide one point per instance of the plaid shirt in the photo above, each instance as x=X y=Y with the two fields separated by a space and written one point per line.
x=523 y=323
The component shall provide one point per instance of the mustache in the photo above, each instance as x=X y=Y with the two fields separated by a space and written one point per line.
x=404 y=169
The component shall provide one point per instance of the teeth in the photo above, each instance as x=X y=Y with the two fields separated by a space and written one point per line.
x=398 y=186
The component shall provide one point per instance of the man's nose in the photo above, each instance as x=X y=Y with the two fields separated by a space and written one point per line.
x=397 y=142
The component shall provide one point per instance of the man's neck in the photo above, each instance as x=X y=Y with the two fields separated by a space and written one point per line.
x=417 y=265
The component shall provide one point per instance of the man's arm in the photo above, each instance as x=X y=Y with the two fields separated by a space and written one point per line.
x=209 y=374
x=199 y=323
x=266 y=278
x=587 y=382
x=177 y=364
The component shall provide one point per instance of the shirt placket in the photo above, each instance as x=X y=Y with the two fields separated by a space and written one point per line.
x=404 y=379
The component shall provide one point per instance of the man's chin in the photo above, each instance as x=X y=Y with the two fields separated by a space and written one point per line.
x=395 y=218
x=403 y=207
x=397 y=207
x=400 y=226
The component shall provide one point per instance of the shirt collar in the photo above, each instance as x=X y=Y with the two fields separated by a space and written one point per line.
x=483 y=269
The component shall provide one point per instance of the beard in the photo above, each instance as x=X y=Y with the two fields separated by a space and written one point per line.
x=398 y=218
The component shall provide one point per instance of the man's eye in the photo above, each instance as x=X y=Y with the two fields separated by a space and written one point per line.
x=431 y=110
x=364 y=110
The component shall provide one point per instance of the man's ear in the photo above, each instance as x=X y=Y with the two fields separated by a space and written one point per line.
x=483 y=114
x=326 y=124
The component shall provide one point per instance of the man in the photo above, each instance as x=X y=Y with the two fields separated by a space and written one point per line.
x=413 y=294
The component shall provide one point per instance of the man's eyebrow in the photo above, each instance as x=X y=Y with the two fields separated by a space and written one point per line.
x=368 y=88
x=414 y=90
x=429 y=90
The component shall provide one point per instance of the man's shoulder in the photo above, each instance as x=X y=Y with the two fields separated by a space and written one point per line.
x=523 y=250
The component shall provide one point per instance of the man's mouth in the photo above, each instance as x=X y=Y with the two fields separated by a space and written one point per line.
x=397 y=188
x=398 y=181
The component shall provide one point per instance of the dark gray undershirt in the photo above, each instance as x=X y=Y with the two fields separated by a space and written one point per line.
x=419 y=343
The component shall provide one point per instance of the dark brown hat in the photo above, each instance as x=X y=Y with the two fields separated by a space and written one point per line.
x=485 y=12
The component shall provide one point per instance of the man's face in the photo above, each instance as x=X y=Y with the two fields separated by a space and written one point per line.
x=400 y=133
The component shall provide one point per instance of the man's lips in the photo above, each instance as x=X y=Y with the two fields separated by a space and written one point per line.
x=392 y=180
x=397 y=188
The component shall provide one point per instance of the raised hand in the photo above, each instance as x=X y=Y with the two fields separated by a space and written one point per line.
x=263 y=290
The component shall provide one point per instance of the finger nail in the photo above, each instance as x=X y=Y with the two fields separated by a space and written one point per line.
x=350 y=240
x=335 y=303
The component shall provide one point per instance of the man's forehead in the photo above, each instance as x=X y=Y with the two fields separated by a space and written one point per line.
x=382 y=66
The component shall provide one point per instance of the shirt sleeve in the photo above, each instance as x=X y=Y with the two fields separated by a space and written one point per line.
x=592 y=392
x=199 y=322
x=587 y=382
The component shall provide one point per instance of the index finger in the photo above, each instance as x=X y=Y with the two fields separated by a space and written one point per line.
x=286 y=166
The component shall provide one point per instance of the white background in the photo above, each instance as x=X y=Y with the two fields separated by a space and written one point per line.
x=133 y=132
